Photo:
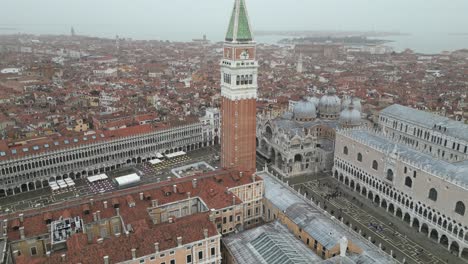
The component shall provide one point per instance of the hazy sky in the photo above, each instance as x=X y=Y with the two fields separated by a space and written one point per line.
x=195 y=17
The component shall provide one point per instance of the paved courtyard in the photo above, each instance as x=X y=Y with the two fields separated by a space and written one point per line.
x=383 y=229
x=149 y=173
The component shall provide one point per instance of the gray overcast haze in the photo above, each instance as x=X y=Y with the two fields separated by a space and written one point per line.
x=187 y=19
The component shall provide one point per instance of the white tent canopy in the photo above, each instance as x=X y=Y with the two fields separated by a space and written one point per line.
x=176 y=154
x=127 y=179
x=159 y=156
x=97 y=177
x=155 y=161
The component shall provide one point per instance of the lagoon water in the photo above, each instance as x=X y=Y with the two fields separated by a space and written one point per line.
x=421 y=42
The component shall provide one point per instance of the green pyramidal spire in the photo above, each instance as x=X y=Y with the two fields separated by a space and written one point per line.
x=239 y=25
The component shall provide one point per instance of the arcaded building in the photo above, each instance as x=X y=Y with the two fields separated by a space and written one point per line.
x=415 y=166
x=302 y=140
x=30 y=164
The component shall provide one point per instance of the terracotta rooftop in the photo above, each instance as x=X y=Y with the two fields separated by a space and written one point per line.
x=145 y=234
x=21 y=148
x=211 y=188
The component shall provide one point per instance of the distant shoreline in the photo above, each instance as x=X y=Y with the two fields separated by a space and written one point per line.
x=324 y=33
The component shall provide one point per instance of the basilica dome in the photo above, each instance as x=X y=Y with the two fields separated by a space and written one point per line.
x=350 y=117
x=304 y=111
x=330 y=105
x=313 y=100
x=347 y=101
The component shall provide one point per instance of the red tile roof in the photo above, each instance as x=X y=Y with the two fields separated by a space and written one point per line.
x=145 y=234
x=210 y=188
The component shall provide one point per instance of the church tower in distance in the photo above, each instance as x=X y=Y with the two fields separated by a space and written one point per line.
x=239 y=70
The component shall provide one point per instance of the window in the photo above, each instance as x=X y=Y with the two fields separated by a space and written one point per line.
x=408 y=182
x=213 y=251
x=345 y=150
x=414 y=174
x=375 y=165
x=142 y=260
x=33 y=251
x=200 y=255
x=405 y=170
x=189 y=258
x=390 y=175
x=460 y=208
x=433 y=194
x=172 y=261
x=359 y=157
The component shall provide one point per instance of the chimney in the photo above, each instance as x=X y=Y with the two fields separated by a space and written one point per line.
x=21 y=230
x=21 y=218
x=117 y=211
x=170 y=220
x=253 y=177
x=94 y=217
x=212 y=215
x=98 y=214
x=141 y=196
x=205 y=233
x=100 y=240
x=194 y=183
x=91 y=201
x=64 y=257
x=48 y=254
x=106 y=259
x=188 y=195
x=169 y=178
x=133 y=253
x=174 y=188
x=233 y=200
x=105 y=204
x=155 y=203
x=241 y=174
x=156 y=247
x=179 y=241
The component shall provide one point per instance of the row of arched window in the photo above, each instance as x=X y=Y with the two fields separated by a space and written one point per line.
x=375 y=164
x=432 y=195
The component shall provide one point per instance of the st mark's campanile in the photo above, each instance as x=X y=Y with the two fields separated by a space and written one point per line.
x=239 y=70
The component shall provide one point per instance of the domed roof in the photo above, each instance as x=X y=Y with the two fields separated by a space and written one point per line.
x=330 y=104
x=345 y=102
x=313 y=100
x=356 y=101
x=304 y=110
x=350 y=116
